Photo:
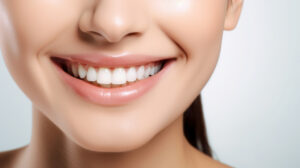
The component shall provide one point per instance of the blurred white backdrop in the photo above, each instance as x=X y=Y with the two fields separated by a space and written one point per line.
x=250 y=103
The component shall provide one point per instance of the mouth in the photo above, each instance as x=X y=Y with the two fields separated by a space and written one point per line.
x=114 y=82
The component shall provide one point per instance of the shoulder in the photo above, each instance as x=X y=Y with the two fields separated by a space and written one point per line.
x=202 y=160
x=212 y=163
x=218 y=164
x=8 y=158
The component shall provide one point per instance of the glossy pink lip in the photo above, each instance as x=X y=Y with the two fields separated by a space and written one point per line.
x=113 y=96
x=102 y=60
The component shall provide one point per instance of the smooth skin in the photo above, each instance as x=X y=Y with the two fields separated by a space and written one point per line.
x=69 y=131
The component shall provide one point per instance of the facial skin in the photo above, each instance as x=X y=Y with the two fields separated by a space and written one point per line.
x=191 y=30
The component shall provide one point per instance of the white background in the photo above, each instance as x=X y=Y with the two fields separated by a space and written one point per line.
x=250 y=103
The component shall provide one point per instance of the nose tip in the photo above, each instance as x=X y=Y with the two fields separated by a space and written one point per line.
x=112 y=21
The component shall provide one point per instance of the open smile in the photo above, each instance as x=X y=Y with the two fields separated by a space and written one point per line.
x=108 y=80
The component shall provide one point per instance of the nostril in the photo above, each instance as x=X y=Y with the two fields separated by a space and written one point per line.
x=133 y=34
x=95 y=33
x=111 y=38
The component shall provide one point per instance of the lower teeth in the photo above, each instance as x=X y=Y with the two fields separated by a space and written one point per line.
x=106 y=85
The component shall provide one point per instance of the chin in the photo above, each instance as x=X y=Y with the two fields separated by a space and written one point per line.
x=117 y=144
x=122 y=137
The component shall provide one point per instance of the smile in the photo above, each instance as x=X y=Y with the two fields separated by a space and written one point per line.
x=108 y=80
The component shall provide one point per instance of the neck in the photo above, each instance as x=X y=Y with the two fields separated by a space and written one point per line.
x=50 y=147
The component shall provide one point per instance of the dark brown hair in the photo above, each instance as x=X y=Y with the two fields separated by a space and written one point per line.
x=194 y=127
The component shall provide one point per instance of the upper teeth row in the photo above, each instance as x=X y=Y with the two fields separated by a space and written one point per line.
x=116 y=76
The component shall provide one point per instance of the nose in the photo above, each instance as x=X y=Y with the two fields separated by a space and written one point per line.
x=113 y=20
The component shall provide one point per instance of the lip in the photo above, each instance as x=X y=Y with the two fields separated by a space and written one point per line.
x=113 y=96
x=123 y=60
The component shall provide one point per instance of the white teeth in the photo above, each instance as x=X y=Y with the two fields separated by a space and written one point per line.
x=113 y=78
x=152 y=71
x=81 y=72
x=157 y=68
x=119 y=76
x=91 y=74
x=131 y=74
x=74 y=70
x=140 y=72
x=104 y=76
x=147 y=72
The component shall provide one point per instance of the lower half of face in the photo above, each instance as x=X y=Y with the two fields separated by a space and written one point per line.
x=104 y=103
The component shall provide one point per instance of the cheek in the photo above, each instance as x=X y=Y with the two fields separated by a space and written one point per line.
x=197 y=27
x=27 y=28
x=35 y=23
x=193 y=24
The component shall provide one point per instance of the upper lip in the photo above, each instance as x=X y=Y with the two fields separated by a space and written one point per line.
x=103 y=60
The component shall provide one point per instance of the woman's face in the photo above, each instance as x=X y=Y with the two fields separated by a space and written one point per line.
x=131 y=33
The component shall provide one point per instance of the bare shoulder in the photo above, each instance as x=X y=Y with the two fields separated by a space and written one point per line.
x=217 y=164
x=212 y=163
x=202 y=160
x=8 y=158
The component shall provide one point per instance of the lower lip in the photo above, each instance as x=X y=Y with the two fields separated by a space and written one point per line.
x=113 y=96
